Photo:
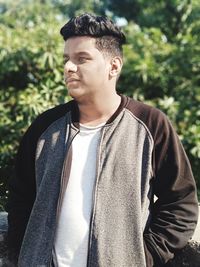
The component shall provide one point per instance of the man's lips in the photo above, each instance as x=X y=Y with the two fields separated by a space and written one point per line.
x=70 y=80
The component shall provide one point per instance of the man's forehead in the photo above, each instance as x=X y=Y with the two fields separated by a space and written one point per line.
x=79 y=44
x=80 y=41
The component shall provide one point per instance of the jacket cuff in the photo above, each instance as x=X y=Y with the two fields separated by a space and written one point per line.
x=148 y=256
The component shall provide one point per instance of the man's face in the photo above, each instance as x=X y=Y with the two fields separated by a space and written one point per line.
x=86 y=69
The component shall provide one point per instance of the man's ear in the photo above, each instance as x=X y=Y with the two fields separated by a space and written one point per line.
x=115 y=66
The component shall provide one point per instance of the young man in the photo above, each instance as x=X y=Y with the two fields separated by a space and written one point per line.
x=87 y=171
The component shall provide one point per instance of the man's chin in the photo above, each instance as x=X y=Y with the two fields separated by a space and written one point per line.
x=75 y=93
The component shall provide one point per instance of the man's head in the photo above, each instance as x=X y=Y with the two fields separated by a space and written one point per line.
x=92 y=56
x=109 y=38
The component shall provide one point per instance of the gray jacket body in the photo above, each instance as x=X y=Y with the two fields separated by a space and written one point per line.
x=139 y=157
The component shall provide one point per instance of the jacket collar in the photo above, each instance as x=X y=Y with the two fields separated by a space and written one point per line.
x=76 y=115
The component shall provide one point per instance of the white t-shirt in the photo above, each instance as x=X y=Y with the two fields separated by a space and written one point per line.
x=71 y=242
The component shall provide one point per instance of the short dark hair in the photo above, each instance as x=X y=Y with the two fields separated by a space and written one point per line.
x=109 y=37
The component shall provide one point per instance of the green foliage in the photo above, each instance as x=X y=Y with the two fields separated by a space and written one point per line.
x=170 y=16
x=161 y=65
x=166 y=74
x=31 y=74
x=77 y=7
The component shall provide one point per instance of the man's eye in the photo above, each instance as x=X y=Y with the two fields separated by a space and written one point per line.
x=82 y=59
x=65 y=60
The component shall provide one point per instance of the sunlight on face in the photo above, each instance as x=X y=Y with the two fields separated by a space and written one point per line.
x=86 y=69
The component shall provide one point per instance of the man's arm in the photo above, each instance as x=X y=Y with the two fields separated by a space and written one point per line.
x=22 y=187
x=175 y=212
x=21 y=196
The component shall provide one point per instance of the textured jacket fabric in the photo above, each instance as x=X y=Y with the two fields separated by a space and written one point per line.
x=139 y=158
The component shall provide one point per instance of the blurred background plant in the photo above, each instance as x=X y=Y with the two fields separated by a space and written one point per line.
x=161 y=65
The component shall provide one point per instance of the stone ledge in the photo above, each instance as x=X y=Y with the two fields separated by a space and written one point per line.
x=189 y=256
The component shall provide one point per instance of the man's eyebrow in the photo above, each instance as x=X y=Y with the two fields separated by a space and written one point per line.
x=81 y=53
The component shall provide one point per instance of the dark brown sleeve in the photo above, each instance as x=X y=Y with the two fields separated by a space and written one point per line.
x=175 y=212
x=21 y=197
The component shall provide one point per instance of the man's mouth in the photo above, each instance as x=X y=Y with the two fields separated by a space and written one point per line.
x=71 y=80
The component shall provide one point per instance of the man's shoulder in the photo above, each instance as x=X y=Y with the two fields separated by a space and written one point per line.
x=144 y=111
x=153 y=118
x=48 y=117
x=55 y=112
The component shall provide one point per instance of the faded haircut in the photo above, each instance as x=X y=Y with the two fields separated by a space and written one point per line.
x=109 y=37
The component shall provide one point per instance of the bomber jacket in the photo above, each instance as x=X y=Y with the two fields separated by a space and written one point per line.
x=144 y=202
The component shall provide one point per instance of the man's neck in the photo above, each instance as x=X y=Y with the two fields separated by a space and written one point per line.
x=96 y=112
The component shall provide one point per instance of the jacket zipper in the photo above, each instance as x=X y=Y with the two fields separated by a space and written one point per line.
x=60 y=191
x=94 y=199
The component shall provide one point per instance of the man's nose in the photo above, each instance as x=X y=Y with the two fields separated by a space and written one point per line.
x=70 y=67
